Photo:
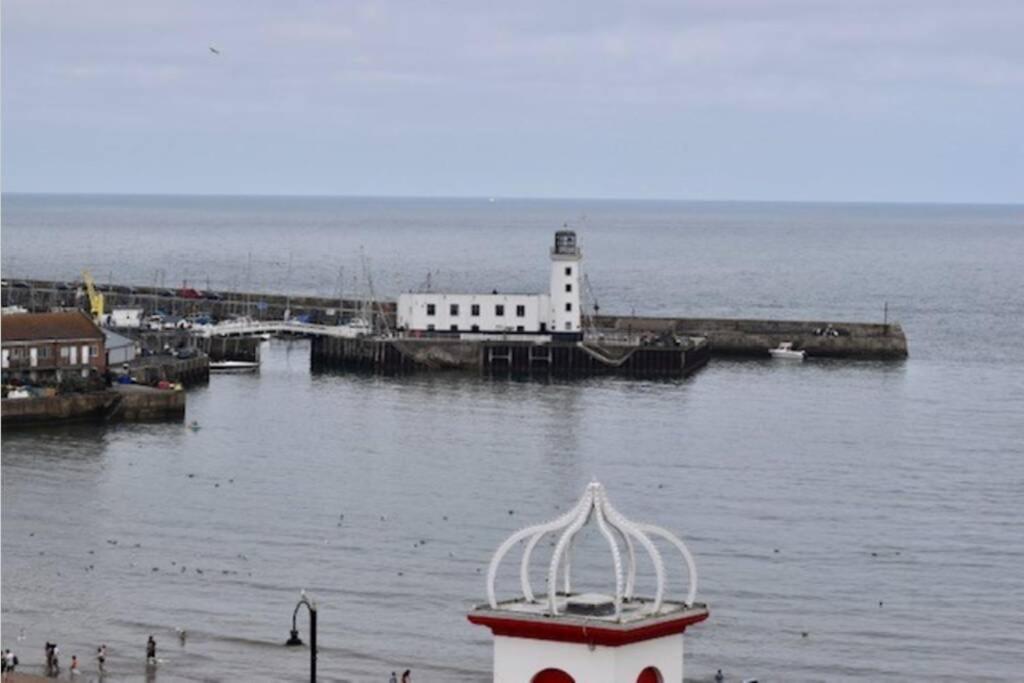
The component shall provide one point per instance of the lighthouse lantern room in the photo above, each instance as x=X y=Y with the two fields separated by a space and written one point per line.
x=562 y=636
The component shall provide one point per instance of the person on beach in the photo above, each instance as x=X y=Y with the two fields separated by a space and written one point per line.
x=10 y=662
x=52 y=662
x=407 y=676
x=101 y=656
x=151 y=652
x=74 y=665
x=393 y=679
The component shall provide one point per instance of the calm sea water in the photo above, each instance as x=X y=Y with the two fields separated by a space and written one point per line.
x=876 y=506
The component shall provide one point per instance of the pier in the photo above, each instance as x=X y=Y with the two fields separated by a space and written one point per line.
x=750 y=338
x=129 y=403
x=509 y=357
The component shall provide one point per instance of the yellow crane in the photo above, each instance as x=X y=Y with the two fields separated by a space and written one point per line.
x=95 y=298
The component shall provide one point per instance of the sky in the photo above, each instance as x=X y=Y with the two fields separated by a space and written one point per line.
x=805 y=100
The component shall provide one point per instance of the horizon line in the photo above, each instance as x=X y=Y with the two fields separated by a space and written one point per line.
x=496 y=198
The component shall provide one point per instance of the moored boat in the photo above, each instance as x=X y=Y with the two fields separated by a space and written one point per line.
x=785 y=351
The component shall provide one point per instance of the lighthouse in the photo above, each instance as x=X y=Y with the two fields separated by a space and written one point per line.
x=562 y=636
x=566 y=279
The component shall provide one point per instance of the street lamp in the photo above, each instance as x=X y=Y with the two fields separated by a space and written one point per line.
x=294 y=640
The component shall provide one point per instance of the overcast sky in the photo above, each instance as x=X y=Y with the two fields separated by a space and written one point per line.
x=919 y=100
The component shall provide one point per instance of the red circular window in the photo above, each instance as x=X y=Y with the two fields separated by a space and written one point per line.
x=650 y=675
x=553 y=676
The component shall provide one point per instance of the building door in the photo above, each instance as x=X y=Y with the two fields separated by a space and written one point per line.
x=33 y=357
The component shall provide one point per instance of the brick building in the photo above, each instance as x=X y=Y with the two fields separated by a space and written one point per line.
x=40 y=347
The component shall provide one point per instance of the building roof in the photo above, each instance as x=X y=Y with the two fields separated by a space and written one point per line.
x=622 y=605
x=117 y=341
x=24 y=327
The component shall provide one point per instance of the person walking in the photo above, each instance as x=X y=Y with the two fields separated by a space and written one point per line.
x=151 y=651
x=407 y=676
x=52 y=660
x=101 y=657
x=10 y=663
x=74 y=666
x=393 y=679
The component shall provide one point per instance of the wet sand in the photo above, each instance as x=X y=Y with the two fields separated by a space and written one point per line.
x=18 y=677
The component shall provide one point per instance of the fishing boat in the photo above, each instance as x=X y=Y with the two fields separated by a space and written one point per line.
x=785 y=351
x=234 y=366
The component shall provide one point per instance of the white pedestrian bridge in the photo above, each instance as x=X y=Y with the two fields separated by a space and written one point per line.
x=255 y=328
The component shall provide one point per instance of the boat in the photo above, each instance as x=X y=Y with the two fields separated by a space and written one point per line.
x=785 y=351
x=234 y=366
x=355 y=328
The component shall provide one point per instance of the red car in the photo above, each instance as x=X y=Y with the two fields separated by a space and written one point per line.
x=189 y=293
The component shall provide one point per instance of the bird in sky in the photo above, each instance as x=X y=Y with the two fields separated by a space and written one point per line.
x=214 y=50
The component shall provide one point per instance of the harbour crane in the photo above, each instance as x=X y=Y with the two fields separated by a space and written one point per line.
x=95 y=298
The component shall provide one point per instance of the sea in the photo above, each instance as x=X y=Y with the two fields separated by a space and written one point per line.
x=850 y=520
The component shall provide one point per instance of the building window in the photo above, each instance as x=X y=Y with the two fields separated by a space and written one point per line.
x=650 y=675
x=568 y=286
x=543 y=327
x=94 y=351
x=499 y=310
x=568 y=270
x=552 y=676
x=568 y=326
x=453 y=309
x=568 y=306
x=520 y=328
x=474 y=310
x=431 y=309
x=454 y=328
x=520 y=311
x=430 y=328
x=65 y=352
x=17 y=352
x=44 y=351
x=475 y=328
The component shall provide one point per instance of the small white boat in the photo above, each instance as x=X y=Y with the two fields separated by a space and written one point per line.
x=786 y=351
x=233 y=366
x=355 y=328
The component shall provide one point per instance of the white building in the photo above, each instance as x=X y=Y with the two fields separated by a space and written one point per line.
x=564 y=637
x=556 y=313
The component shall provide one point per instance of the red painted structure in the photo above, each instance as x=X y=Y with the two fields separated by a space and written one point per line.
x=590 y=634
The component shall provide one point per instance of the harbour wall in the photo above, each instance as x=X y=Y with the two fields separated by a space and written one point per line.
x=507 y=357
x=727 y=336
x=753 y=338
x=121 y=404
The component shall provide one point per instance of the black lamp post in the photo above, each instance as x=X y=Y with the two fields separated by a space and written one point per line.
x=294 y=640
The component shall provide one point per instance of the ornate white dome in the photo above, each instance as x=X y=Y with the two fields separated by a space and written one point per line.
x=621 y=535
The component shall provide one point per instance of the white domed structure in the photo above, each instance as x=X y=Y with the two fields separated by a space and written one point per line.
x=566 y=637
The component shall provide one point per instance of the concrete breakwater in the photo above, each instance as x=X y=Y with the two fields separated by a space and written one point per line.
x=508 y=357
x=727 y=336
x=128 y=403
x=740 y=337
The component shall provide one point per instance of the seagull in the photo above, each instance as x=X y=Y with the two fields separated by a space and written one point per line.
x=214 y=50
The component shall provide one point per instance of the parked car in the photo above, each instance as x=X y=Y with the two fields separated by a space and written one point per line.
x=189 y=293
x=213 y=296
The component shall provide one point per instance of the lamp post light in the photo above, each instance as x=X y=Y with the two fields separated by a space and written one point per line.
x=294 y=640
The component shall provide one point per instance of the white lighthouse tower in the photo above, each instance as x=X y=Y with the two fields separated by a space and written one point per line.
x=567 y=637
x=566 y=279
